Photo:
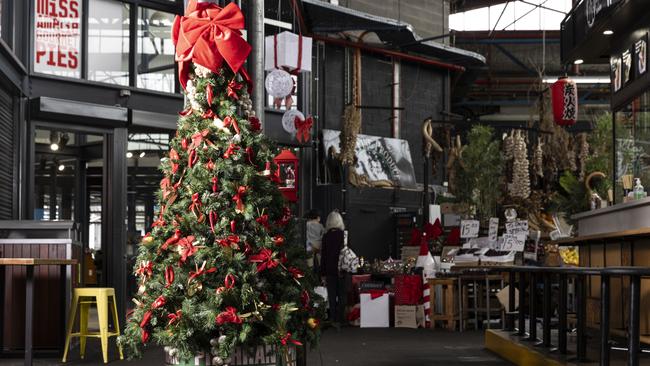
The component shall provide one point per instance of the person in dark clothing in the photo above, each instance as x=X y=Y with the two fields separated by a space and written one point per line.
x=333 y=242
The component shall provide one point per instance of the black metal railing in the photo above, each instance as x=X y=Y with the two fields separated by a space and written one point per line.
x=530 y=276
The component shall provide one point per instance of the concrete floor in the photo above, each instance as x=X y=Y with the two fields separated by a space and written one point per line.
x=349 y=346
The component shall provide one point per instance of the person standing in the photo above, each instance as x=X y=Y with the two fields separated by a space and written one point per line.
x=315 y=231
x=332 y=243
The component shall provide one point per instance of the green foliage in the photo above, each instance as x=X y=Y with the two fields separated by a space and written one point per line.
x=572 y=197
x=601 y=158
x=479 y=176
x=269 y=302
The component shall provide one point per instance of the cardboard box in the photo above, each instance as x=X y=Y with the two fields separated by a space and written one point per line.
x=409 y=316
x=374 y=312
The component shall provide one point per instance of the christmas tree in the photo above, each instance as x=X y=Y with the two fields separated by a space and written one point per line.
x=220 y=268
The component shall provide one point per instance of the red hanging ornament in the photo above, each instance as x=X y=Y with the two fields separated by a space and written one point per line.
x=209 y=165
x=564 y=97
x=212 y=218
x=174 y=158
x=145 y=319
x=186 y=112
x=278 y=240
x=209 y=94
x=215 y=185
x=184 y=144
x=229 y=281
x=173 y=240
x=233 y=226
x=145 y=336
x=304 y=299
x=195 y=207
x=169 y=276
x=192 y=159
x=159 y=302
x=250 y=155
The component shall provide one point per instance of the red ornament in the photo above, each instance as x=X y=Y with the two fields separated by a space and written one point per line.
x=564 y=96
x=209 y=94
x=192 y=159
x=174 y=158
x=230 y=150
x=209 y=165
x=159 y=302
x=169 y=276
x=145 y=319
x=184 y=144
x=172 y=240
x=278 y=240
x=233 y=226
x=256 y=125
x=263 y=220
x=215 y=186
x=212 y=218
x=145 y=336
x=239 y=198
x=229 y=121
x=229 y=281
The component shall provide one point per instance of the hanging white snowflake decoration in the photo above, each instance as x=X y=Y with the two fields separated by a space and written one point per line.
x=278 y=83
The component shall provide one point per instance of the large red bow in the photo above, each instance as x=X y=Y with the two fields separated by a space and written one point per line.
x=303 y=129
x=208 y=35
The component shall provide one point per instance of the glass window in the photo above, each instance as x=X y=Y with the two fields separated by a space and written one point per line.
x=155 y=58
x=57 y=37
x=632 y=129
x=108 y=42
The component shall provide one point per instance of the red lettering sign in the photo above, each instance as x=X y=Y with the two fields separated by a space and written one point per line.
x=57 y=40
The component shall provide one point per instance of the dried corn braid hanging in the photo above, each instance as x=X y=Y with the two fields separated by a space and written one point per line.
x=352 y=116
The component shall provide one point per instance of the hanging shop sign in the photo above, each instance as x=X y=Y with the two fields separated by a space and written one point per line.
x=630 y=64
x=593 y=7
x=57 y=37
x=564 y=96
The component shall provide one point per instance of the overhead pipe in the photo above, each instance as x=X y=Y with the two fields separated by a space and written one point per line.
x=389 y=53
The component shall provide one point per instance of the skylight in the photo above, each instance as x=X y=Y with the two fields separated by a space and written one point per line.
x=518 y=15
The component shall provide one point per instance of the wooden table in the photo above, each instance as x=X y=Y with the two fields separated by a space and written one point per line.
x=29 y=264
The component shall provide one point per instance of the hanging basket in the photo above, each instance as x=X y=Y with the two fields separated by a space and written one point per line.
x=258 y=356
x=564 y=96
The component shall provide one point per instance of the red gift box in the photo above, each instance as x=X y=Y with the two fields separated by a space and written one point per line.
x=408 y=289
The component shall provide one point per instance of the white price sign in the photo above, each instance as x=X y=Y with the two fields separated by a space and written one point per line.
x=514 y=242
x=469 y=228
x=517 y=226
x=493 y=231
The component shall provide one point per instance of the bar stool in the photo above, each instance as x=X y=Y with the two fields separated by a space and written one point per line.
x=448 y=314
x=84 y=297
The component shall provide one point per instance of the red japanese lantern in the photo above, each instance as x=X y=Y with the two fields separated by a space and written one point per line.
x=564 y=96
x=287 y=174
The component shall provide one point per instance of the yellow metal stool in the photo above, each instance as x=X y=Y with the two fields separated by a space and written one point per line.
x=84 y=297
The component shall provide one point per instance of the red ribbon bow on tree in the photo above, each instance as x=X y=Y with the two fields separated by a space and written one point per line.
x=187 y=248
x=208 y=35
x=229 y=316
x=239 y=198
x=174 y=317
x=287 y=339
x=233 y=88
x=200 y=271
x=195 y=207
x=232 y=241
x=264 y=260
x=303 y=129
x=145 y=269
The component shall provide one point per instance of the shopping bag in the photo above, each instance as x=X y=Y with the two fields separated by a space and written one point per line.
x=322 y=292
x=348 y=260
